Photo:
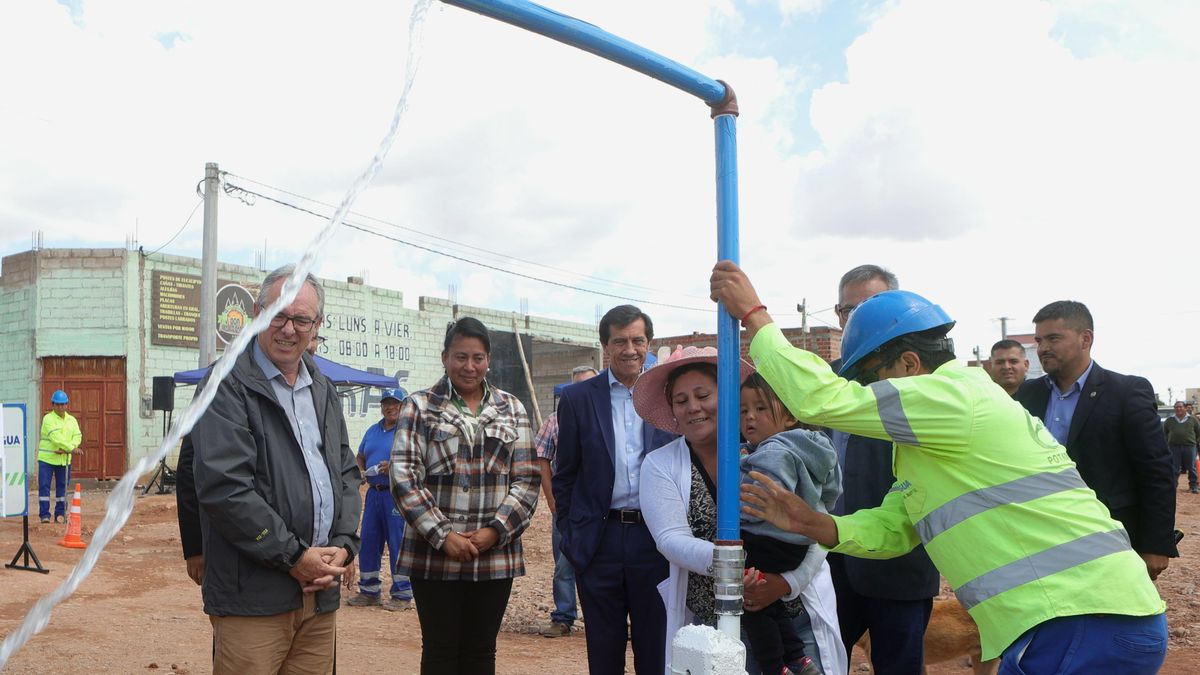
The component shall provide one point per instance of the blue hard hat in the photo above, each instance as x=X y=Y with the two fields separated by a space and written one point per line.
x=883 y=318
x=59 y=397
x=397 y=394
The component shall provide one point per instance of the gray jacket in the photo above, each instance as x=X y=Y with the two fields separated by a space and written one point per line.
x=256 y=506
x=801 y=461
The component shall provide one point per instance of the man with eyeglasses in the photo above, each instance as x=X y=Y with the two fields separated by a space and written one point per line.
x=277 y=486
x=597 y=469
x=891 y=600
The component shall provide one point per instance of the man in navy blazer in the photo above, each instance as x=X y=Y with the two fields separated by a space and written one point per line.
x=601 y=444
x=1109 y=424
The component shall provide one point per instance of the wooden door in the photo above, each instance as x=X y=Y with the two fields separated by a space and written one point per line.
x=96 y=387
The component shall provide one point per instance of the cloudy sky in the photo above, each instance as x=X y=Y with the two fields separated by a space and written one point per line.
x=995 y=155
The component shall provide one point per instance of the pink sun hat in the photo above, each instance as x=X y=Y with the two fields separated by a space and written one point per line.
x=650 y=390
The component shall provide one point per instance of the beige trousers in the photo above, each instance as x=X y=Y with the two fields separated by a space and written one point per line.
x=299 y=642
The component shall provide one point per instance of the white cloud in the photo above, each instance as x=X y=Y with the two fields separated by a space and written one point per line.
x=995 y=155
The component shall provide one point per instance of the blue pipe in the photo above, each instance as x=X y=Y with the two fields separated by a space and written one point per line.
x=589 y=38
x=716 y=94
x=728 y=336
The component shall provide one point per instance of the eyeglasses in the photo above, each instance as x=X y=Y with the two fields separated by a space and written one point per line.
x=320 y=339
x=302 y=324
x=844 y=310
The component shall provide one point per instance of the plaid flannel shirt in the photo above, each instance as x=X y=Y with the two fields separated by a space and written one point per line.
x=546 y=441
x=444 y=480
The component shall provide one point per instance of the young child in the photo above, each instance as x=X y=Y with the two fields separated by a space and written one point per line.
x=806 y=463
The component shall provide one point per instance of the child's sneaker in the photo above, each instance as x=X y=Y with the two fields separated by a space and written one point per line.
x=804 y=666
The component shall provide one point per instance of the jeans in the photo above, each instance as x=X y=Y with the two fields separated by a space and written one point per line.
x=1091 y=643
x=1184 y=457
x=459 y=622
x=564 y=582
x=59 y=474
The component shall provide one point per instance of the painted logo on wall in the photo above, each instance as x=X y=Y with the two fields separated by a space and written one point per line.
x=233 y=311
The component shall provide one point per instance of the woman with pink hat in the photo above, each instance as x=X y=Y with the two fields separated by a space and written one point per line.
x=679 y=394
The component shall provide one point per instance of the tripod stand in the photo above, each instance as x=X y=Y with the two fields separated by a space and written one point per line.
x=164 y=475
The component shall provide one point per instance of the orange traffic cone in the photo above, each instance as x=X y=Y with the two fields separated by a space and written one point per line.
x=73 y=538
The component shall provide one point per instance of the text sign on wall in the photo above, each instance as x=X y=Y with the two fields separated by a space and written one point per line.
x=175 y=309
x=15 y=491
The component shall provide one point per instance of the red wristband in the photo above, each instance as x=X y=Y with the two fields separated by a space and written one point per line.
x=753 y=310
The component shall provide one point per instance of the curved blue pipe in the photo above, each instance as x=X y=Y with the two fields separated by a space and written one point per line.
x=589 y=38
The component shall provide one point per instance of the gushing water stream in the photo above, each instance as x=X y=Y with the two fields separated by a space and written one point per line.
x=120 y=501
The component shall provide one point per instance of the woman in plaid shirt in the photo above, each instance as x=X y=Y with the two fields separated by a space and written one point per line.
x=463 y=473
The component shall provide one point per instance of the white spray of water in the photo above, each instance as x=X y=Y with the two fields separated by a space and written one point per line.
x=120 y=501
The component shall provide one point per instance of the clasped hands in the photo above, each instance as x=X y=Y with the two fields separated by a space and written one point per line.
x=319 y=568
x=466 y=546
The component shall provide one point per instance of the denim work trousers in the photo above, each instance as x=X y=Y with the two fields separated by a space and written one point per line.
x=1092 y=643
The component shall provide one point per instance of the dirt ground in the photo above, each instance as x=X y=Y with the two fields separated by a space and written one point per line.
x=139 y=613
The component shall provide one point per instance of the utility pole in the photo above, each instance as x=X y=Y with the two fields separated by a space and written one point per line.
x=802 y=307
x=208 y=268
x=1004 y=328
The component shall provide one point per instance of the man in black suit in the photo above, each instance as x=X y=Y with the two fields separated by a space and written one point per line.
x=1109 y=424
x=890 y=599
x=601 y=444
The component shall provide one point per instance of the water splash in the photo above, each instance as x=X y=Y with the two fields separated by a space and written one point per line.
x=120 y=501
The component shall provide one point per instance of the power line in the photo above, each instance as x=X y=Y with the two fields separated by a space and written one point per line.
x=178 y=232
x=459 y=244
x=495 y=268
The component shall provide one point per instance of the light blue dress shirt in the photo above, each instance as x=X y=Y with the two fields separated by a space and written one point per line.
x=297 y=402
x=1061 y=408
x=627 y=446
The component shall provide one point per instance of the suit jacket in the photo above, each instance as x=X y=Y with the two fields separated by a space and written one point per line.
x=866 y=478
x=584 y=464
x=1117 y=442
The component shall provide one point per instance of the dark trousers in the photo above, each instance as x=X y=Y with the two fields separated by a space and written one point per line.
x=59 y=474
x=619 y=587
x=773 y=638
x=459 y=623
x=1184 y=457
x=897 y=627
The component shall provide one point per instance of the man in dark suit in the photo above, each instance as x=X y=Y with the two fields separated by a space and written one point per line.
x=890 y=599
x=601 y=443
x=1109 y=424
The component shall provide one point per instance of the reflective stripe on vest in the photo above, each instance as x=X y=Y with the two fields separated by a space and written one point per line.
x=891 y=413
x=1019 y=491
x=1040 y=565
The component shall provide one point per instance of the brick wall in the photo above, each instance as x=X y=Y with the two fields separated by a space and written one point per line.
x=824 y=341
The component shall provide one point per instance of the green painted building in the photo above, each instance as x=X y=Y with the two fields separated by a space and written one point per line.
x=103 y=323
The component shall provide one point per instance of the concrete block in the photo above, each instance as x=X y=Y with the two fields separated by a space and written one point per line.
x=702 y=650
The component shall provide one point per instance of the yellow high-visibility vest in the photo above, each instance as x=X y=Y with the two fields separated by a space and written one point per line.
x=998 y=504
x=58 y=433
